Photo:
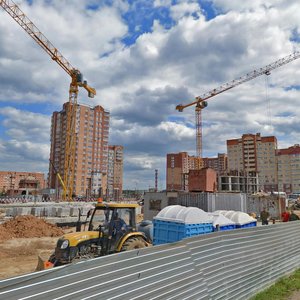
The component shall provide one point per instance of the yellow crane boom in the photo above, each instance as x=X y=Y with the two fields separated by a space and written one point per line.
x=76 y=81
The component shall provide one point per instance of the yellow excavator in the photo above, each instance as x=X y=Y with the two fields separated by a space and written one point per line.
x=112 y=228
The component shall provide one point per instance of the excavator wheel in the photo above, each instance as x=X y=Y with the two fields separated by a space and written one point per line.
x=134 y=243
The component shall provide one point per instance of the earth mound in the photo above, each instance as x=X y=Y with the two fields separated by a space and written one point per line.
x=28 y=227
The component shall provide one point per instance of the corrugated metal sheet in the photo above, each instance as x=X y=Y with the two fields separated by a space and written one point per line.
x=228 y=201
x=223 y=265
x=214 y=201
x=194 y=199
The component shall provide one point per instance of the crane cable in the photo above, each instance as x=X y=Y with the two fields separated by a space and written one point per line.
x=268 y=102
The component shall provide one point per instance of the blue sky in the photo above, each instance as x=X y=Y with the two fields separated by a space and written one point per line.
x=145 y=57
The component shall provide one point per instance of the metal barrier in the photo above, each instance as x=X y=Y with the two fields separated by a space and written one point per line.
x=223 y=265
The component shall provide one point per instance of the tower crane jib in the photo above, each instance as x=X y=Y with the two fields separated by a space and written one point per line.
x=266 y=70
x=200 y=101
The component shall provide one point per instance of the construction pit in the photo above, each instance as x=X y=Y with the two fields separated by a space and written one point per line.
x=22 y=240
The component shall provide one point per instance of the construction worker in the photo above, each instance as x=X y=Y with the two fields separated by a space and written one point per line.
x=119 y=226
x=264 y=216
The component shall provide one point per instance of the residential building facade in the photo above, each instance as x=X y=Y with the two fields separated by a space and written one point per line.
x=177 y=170
x=115 y=172
x=91 y=149
x=195 y=163
x=219 y=163
x=25 y=183
x=289 y=169
x=253 y=154
x=180 y=164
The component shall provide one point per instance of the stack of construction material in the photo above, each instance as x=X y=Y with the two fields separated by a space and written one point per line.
x=241 y=219
x=176 y=222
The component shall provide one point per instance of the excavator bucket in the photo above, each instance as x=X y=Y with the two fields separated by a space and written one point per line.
x=43 y=264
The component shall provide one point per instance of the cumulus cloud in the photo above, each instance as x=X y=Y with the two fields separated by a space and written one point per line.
x=174 y=54
x=27 y=69
x=24 y=156
x=24 y=125
x=26 y=143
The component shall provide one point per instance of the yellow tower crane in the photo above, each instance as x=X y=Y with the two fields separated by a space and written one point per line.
x=200 y=101
x=76 y=81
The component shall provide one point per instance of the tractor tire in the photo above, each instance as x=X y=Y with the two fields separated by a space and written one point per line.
x=134 y=243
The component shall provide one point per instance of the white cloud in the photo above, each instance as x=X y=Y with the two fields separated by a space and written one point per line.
x=24 y=156
x=82 y=42
x=166 y=3
x=24 y=125
x=142 y=83
x=184 y=9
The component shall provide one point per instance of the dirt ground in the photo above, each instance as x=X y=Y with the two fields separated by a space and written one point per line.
x=22 y=240
x=20 y=255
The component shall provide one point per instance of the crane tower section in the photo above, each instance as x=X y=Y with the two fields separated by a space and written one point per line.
x=76 y=81
x=200 y=101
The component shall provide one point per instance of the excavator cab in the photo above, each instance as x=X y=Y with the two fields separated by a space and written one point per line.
x=113 y=224
x=111 y=229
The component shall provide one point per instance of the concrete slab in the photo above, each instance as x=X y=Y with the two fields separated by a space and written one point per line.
x=63 y=212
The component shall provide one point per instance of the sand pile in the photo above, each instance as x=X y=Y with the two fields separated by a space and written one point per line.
x=28 y=227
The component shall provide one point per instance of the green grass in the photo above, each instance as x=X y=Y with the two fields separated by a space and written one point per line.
x=282 y=289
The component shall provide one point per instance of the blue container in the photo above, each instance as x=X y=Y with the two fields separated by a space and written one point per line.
x=252 y=224
x=226 y=227
x=168 y=231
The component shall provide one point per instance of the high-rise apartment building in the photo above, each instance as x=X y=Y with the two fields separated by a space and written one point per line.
x=289 y=169
x=253 y=154
x=219 y=164
x=91 y=149
x=195 y=163
x=115 y=172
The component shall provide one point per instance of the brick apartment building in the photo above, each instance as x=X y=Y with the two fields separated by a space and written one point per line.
x=177 y=170
x=289 y=169
x=179 y=165
x=219 y=163
x=115 y=172
x=25 y=183
x=253 y=154
x=91 y=157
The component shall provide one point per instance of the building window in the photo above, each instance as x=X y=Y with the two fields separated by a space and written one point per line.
x=155 y=205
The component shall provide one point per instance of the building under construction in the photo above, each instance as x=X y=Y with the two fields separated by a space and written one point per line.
x=21 y=183
x=91 y=149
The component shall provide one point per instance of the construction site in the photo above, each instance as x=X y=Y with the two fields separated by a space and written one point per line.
x=75 y=235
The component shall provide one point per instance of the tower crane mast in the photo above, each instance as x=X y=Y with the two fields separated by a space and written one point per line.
x=200 y=101
x=76 y=81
